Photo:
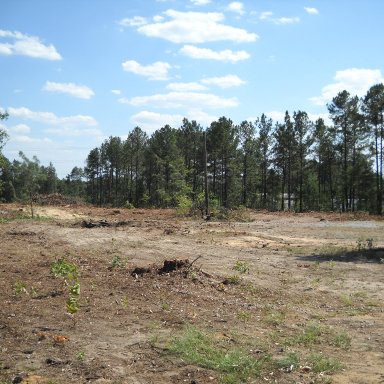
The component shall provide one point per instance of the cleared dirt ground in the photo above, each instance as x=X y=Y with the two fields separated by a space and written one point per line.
x=300 y=294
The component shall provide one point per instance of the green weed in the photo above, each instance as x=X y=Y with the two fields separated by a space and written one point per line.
x=320 y=363
x=62 y=268
x=243 y=315
x=233 y=364
x=274 y=318
x=310 y=335
x=342 y=340
x=20 y=287
x=291 y=360
x=241 y=266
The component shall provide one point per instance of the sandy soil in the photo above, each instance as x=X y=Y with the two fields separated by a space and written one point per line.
x=302 y=270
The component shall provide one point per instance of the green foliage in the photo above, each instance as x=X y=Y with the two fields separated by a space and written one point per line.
x=20 y=287
x=184 y=205
x=364 y=244
x=233 y=364
x=295 y=164
x=342 y=340
x=320 y=363
x=62 y=268
x=69 y=272
x=291 y=360
x=241 y=266
x=309 y=336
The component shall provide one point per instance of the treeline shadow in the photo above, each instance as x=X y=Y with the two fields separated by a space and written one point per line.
x=373 y=255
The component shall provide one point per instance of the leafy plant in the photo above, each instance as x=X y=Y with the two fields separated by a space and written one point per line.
x=68 y=271
x=20 y=287
x=62 y=268
x=241 y=266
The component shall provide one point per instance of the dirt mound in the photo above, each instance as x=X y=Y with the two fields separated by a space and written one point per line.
x=57 y=199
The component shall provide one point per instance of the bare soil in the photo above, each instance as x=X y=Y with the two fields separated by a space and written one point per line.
x=302 y=270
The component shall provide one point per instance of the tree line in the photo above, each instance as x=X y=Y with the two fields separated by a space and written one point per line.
x=296 y=164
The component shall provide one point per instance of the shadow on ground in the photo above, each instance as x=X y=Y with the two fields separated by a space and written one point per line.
x=374 y=255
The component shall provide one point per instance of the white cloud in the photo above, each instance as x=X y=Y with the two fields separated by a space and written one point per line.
x=311 y=10
x=236 y=7
x=206 y=53
x=186 y=87
x=74 y=131
x=51 y=118
x=155 y=71
x=356 y=81
x=116 y=91
x=195 y=27
x=268 y=16
x=276 y=116
x=26 y=45
x=28 y=139
x=287 y=20
x=135 y=21
x=20 y=128
x=186 y=100
x=224 y=81
x=200 y=2
x=151 y=121
x=79 y=91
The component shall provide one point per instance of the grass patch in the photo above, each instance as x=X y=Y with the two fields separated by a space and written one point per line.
x=234 y=365
x=275 y=318
x=290 y=361
x=320 y=363
x=310 y=335
x=342 y=340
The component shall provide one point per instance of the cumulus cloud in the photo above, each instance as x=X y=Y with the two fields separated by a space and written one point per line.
x=186 y=100
x=156 y=71
x=79 y=91
x=22 y=44
x=136 y=21
x=195 y=27
x=224 y=81
x=311 y=10
x=50 y=118
x=200 y=2
x=269 y=16
x=20 y=128
x=151 y=121
x=206 y=53
x=236 y=7
x=27 y=139
x=186 y=87
x=116 y=91
x=356 y=81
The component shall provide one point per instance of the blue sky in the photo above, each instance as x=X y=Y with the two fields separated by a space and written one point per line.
x=75 y=72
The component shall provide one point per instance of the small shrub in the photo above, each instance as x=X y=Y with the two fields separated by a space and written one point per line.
x=241 y=266
x=62 y=268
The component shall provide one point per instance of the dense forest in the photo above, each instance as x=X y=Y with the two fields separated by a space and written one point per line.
x=295 y=165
